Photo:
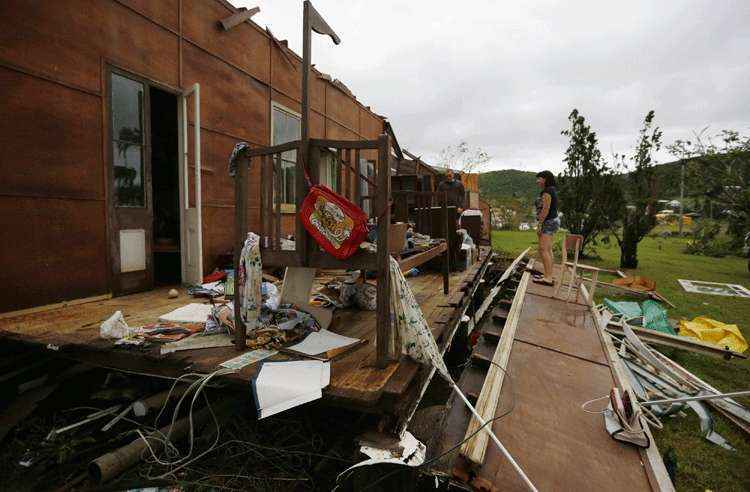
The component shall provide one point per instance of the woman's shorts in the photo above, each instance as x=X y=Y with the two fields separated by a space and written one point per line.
x=550 y=226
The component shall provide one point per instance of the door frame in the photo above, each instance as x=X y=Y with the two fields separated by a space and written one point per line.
x=184 y=186
x=113 y=229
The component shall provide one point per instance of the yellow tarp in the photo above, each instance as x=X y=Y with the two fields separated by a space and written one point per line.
x=715 y=332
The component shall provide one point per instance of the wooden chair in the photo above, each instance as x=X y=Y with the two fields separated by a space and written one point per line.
x=573 y=242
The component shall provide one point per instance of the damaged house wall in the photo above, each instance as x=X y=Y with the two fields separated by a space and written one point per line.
x=55 y=195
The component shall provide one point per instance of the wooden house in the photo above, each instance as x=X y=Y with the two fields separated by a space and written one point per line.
x=99 y=146
x=121 y=116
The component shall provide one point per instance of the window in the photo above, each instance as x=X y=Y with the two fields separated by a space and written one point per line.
x=127 y=141
x=285 y=127
x=327 y=170
x=366 y=168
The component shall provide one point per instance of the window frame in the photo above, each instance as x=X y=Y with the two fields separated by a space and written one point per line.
x=145 y=143
x=286 y=207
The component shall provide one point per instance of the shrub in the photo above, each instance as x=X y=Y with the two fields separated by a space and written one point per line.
x=706 y=240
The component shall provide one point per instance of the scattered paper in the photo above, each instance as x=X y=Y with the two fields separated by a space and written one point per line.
x=280 y=386
x=412 y=453
x=248 y=358
x=218 y=286
x=115 y=327
x=321 y=341
x=191 y=313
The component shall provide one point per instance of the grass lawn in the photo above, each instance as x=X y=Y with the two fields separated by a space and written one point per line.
x=701 y=465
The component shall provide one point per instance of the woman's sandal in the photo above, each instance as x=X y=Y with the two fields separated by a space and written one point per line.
x=543 y=281
x=533 y=272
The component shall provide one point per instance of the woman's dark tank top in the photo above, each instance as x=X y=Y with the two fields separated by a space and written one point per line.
x=553 y=202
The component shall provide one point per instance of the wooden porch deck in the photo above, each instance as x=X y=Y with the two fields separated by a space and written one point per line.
x=557 y=362
x=73 y=331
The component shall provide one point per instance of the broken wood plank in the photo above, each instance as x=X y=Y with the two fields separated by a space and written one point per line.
x=423 y=257
x=646 y=293
x=676 y=341
x=736 y=413
x=652 y=461
x=475 y=448
x=498 y=285
x=197 y=341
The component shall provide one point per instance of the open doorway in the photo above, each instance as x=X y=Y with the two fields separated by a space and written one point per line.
x=165 y=184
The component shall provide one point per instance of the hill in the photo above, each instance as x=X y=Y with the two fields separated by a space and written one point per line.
x=509 y=184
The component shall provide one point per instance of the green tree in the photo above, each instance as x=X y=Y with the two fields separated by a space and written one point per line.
x=640 y=213
x=590 y=199
x=719 y=169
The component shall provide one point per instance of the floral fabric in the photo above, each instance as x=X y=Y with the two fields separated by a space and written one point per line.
x=416 y=338
x=251 y=275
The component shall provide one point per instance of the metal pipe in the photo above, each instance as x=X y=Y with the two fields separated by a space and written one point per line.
x=142 y=407
x=112 y=464
x=696 y=398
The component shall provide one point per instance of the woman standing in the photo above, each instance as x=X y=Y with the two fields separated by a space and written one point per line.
x=549 y=223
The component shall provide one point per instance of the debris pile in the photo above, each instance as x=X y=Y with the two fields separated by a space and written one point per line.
x=664 y=388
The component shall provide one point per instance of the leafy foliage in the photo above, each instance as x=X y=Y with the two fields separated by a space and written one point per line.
x=640 y=213
x=463 y=158
x=721 y=172
x=706 y=240
x=590 y=198
x=508 y=184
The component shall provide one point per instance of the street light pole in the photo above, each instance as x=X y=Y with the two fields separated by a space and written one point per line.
x=682 y=194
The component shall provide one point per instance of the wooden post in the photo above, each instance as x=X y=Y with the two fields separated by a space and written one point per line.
x=303 y=153
x=240 y=223
x=382 y=212
x=266 y=195
x=339 y=181
x=357 y=180
x=276 y=193
x=348 y=174
x=447 y=253
x=311 y=21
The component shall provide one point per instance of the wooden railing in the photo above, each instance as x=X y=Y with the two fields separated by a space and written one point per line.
x=307 y=253
x=417 y=207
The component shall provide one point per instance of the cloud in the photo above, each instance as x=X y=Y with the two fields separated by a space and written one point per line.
x=504 y=76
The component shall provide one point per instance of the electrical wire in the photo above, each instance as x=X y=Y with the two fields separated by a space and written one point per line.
x=170 y=449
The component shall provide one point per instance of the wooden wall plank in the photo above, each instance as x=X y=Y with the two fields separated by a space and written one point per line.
x=50 y=139
x=341 y=108
x=233 y=102
x=244 y=46
x=51 y=250
x=163 y=12
x=32 y=38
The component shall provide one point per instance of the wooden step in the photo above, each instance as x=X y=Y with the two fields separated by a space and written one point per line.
x=483 y=352
x=471 y=382
x=492 y=332
x=499 y=315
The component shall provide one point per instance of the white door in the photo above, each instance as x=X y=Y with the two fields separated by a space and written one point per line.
x=190 y=217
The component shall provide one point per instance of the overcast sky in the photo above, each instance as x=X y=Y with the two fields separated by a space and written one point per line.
x=505 y=75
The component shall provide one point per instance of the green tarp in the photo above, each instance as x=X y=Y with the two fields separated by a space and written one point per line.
x=654 y=315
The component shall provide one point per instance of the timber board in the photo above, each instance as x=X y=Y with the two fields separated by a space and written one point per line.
x=355 y=380
x=556 y=363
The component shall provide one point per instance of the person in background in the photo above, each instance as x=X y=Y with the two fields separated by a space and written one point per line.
x=548 y=223
x=456 y=191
